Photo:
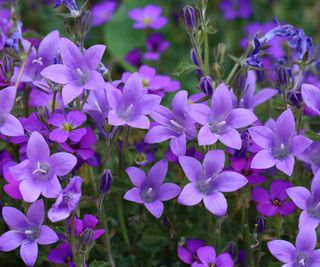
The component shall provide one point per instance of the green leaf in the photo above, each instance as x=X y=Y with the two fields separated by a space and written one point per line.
x=210 y=30
x=185 y=68
x=312 y=135
x=96 y=263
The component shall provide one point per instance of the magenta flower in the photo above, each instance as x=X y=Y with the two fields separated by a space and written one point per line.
x=26 y=232
x=188 y=254
x=279 y=144
x=38 y=173
x=9 y=125
x=147 y=17
x=88 y=222
x=207 y=258
x=67 y=201
x=149 y=189
x=132 y=105
x=62 y=254
x=275 y=201
x=67 y=126
x=308 y=201
x=243 y=166
x=78 y=71
x=208 y=181
x=221 y=120
x=302 y=254
x=311 y=97
x=155 y=44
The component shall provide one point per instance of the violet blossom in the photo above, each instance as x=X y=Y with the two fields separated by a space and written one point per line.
x=221 y=120
x=12 y=186
x=67 y=126
x=235 y=9
x=78 y=71
x=147 y=17
x=62 y=254
x=156 y=44
x=275 y=201
x=207 y=257
x=312 y=156
x=279 y=144
x=103 y=12
x=88 y=222
x=311 y=97
x=26 y=232
x=149 y=189
x=176 y=125
x=67 y=201
x=38 y=173
x=208 y=181
x=188 y=254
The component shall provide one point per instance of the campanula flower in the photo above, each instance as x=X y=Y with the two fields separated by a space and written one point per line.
x=88 y=222
x=311 y=97
x=103 y=12
x=312 y=156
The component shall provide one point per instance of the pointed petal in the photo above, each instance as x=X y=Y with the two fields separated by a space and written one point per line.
x=93 y=55
x=216 y=203
x=231 y=138
x=11 y=240
x=140 y=122
x=300 y=196
x=191 y=167
x=62 y=163
x=14 y=218
x=7 y=97
x=158 y=134
x=263 y=160
x=285 y=126
x=58 y=73
x=286 y=165
x=35 y=212
x=12 y=126
x=168 y=191
x=306 y=239
x=199 y=112
x=263 y=96
x=70 y=53
x=52 y=188
x=37 y=147
x=158 y=172
x=306 y=220
x=229 y=181
x=311 y=96
x=261 y=135
x=47 y=236
x=133 y=195
x=29 y=253
x=70 y=92
x=178 y=145
x=300 y=144
x=29 y=192
x=190 y=195
x=221 y=100
x=206 y=136
x=136 y=175
x=155 y=208
x=240 y=117
x=284 y=251
x=213 y=162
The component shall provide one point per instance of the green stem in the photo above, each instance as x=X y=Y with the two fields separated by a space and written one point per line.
x=54 y=101
x=122 y=222
x=23 y=65
x=300 y=120
x=196 y=50
x=205 y=40
x=232 y=73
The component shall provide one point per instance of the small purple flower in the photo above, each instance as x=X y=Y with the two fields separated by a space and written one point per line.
x=279 y=144
x=221 y=120
x=103 y=12
x=26 y=231
x=243 y=166
x=176 y=126
x=312 y=156
x=134 y=57
x=67 y=126
x=147 y=17
x=208 y=258
x=9 y=125
x=308 y=202
x=78 y=71
x=67 y=201
x=62 y=254
x=130 y=107
x=236 y=9
x=188 y=254
x=311 y=97
x=38 y=173
x=88 y=222
x=208 y=181
x=12 y=187
x=303 y=254
x=251 y=98
x=144 y=154
x=275 y=201
x=155 y=44
x=149 y=189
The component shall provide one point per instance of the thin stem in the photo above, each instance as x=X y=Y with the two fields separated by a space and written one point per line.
x=122 y=222
x=193 y=43
x=205 y=40
x=300 y=120
x=54 y=101
x=232 y=73
x=23 y=65
x=85 y=99
x=298 y=79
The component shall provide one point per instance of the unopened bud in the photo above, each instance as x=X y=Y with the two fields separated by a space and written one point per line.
x=261 y=224
x=86 y=240
x=194 y=58
x=282 y=77
x=232 y=249
x=221 y=51
x=105 y=182
x=241 y=84
x=7 y=66
x=189 y=17
x=206 y=85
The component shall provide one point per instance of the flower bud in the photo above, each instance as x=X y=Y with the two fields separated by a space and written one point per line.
x=221 y=51
x=7 y=67
x=85 y=23
x=189 y=17
x=241 y=84
x=282 y=77
x=105 y=182
x=232 y=249
x=295 y=98
x=261 y=224
x=86 y=240
x=194 y=58
x=206 y=85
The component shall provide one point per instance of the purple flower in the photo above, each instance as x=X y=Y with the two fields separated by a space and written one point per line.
x=67 y=201
x=134 y=57
x=279 y=144
x=147 y=17
x=67 y=126
x=236 y=9
x=208 y=181
x=78 y=71
x=149 y=189
x=175 y=125
x=155 y=44
x=9 y=125
x=308 y=202
x=207 y=258
x=311 y=97
x=38 y=173
x=144 y=154
x=39 y=59
x=69 y=4
x=12 y=187
x=88 y=222
x=275 y=201
x=302 y=254
x=243 y=166
x=103 y=12
x=26 y=231
x=250 y=98
x=221 y=120
x=132 y=105
x=188 y=254
x=62 y=254
x=312 y=156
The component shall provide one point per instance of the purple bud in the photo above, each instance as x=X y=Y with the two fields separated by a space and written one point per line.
x=282 y=77
x=206 y=85
x=241 y=84
x=105 y=182
x=194 y=58
x=261 y=224
x=7 y=66
x=232 y=249
x=295 y=98
x=86 y=240
x=85 y=23
x=189 y=16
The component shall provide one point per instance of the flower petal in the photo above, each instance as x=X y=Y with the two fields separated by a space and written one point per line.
x=190 y=195
x=93 y=55
x=35 y=212
x=216 y=203
x=155 y=208
x=168 y=191
x=229 y=181
x=133 y=195
x=286 y=165
x=178 y=145
x=207 y=255
x=306 y=239
x=284 y=251
x=240 y=117
x=231 y=138
x=12 y=126
x=11 y=240
x=191 y=167
x=299 y=195
x=206 y=136
x=29 y=253
x=62 y=163
x=158 y=172
x=58 y=73
x=263 y=160
x=136 y=175
x=37 y=147
x=47 y=236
